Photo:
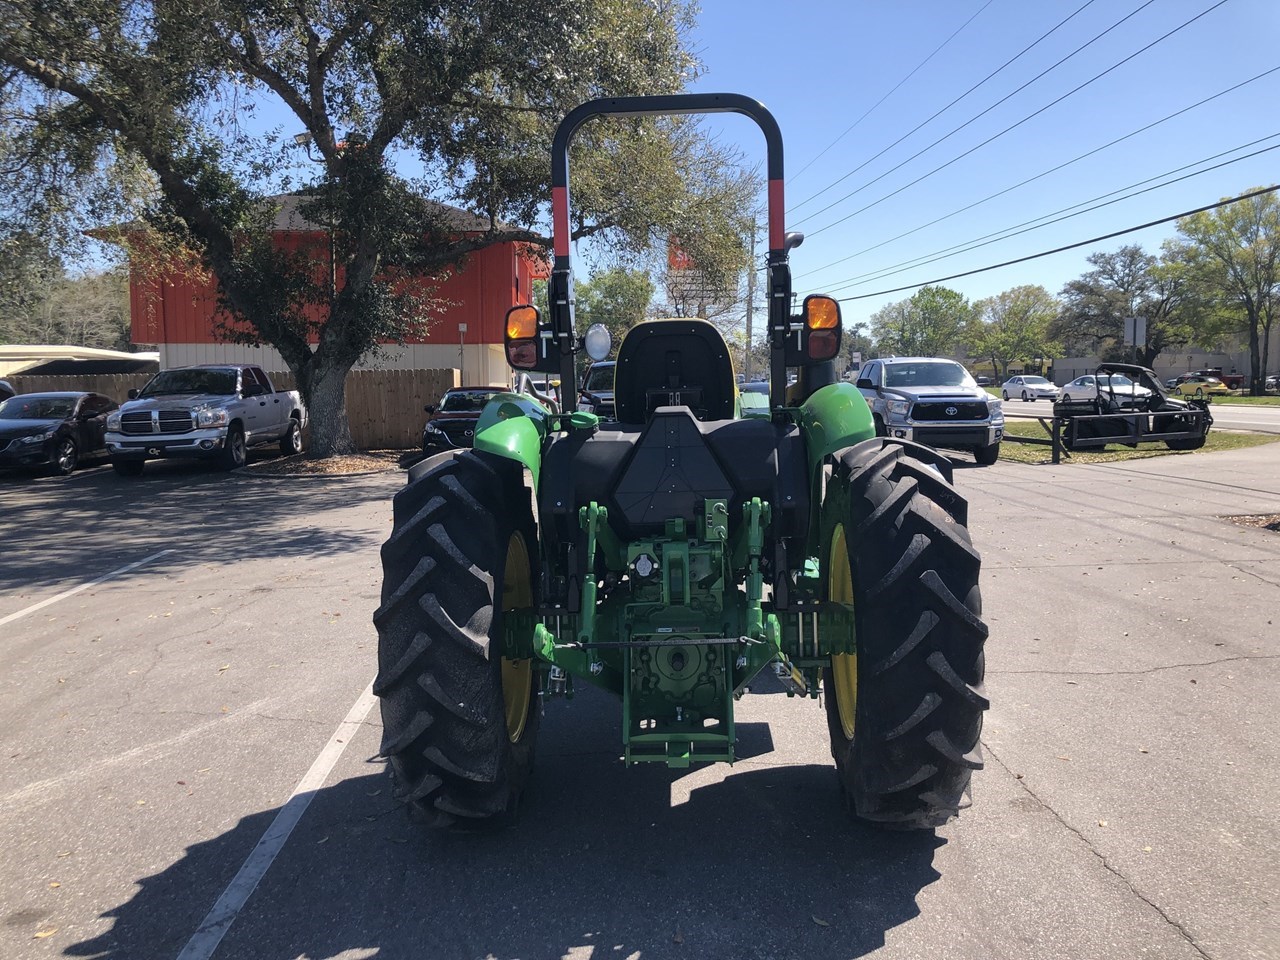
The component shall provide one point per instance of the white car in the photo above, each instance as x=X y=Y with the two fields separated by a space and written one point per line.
x=1028 y=388
x=1088 y=386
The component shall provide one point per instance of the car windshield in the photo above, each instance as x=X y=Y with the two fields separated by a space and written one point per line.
x=37 y=408
x=465 y=401
x=1036 y=381
x=1117 y=380
x=599 y=378
x=221 y=382
x=927 y=373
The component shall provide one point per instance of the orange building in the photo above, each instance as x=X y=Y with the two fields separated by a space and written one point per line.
x=176 y=313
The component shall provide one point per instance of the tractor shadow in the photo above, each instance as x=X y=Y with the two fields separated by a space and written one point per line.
x=751 y=861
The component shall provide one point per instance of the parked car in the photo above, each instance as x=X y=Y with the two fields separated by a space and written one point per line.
x=1273 y=382
x=6 y=390
x=1087 y=387
x=596 y=394
x=211 y=412
x=984 y=382
x=53 y=431
x=1198 y=385
x=1233 y=380
x=935 y=402
x=1028 y=388
x=453 y=420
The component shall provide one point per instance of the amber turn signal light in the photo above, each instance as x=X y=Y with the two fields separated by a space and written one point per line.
x=821 y=313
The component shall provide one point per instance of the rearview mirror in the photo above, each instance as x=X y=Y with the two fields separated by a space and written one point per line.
x=430 y=408
x=526 y=341
x=133 y=393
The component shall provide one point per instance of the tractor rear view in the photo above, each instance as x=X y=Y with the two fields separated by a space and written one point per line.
x=673 y=552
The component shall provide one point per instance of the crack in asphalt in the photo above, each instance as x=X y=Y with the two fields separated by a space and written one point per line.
x=1130 y=673
x=1258 y=576
x=1182 y=931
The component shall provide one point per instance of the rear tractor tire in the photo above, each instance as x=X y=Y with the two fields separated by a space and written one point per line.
x=905 y=711
x=459 y=720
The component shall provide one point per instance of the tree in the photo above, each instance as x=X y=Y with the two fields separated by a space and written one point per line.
x=1126 y=283
x=1233 y=255
x=40 y=303
x=617 y=298
x=930 y=324
x=140 y=104
x=1013 y=325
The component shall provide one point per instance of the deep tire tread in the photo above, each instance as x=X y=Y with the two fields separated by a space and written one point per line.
x=920 y=635
x=439 y=625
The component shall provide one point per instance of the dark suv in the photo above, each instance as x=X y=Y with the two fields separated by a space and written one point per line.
x=453 y=420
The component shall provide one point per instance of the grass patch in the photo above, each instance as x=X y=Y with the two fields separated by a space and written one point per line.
x=1250 y=401
x=1034 y=453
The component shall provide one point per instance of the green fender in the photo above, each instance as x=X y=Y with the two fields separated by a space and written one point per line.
x=834 y=417
x=514 y=425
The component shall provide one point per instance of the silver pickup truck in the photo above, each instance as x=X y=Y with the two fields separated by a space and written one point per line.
x=213 y=412
x=935 y=402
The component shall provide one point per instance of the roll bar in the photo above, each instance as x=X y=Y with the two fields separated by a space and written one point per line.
x=561 y=283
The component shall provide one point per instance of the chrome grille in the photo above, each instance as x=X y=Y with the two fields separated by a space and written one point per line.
x=176 y=421
x=136 y=423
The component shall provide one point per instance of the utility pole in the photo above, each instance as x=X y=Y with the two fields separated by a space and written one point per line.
x=462 y=339
x=751 y=299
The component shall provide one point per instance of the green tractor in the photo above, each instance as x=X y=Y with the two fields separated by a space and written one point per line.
x=671 y=554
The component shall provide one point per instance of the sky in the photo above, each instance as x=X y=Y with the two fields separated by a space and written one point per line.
x=854 y=84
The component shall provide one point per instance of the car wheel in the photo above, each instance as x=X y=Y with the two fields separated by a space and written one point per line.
x=1199 y=393
x=66 y=457
x=234 y=452
x=1025 y=398
x=1004 y=394
x=291 y=442
x=1066 y=398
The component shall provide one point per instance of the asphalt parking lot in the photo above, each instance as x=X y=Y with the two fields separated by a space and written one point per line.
x=158 y=722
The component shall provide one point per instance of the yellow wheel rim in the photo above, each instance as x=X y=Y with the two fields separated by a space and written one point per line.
x=844 y=666
x=517 y=675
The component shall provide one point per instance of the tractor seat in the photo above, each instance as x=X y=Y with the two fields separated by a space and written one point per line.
x=667 y=363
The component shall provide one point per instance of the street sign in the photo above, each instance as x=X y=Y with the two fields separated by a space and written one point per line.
x=1135 y=331
x=855 y=360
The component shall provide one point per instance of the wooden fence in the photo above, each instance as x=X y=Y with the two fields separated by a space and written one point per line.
x=384 y=406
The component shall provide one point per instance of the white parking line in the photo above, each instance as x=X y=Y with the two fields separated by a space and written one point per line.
x=224 y=912
x=84 y=586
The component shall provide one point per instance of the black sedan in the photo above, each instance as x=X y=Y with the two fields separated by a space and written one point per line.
x=53 y=431
x=453 y=421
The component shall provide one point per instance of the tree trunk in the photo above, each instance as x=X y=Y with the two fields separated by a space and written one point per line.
x=323 y=387
x=1256 y=379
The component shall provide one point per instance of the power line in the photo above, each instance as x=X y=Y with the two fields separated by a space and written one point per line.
x=1070 y=246
x=944 y=109
x=873 y=107
x=1069 y=93
x=1028 y=225
x=1051 y=170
